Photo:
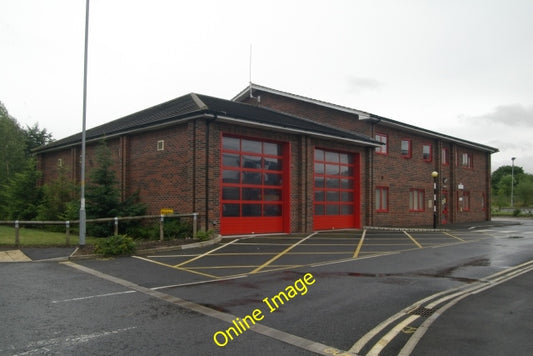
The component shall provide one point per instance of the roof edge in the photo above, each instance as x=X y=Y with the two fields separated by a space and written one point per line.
x=250 y=88
x=363 y=115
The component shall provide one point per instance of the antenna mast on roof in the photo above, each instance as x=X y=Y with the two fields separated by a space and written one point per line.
x=250 y=78
x=250 y=74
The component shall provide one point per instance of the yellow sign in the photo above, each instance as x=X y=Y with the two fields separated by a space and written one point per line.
x=167 y=211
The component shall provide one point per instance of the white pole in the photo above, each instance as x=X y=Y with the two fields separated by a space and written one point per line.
x=512 y=182
x=82 y=178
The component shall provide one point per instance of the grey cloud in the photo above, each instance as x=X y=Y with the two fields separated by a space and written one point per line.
x=358 y=84
x=508 y=115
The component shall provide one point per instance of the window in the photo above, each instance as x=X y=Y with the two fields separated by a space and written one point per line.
x=60 y=162
x=445 y=157
x=383 y=150
x=161 y=145
x=382 y=199
x=426 y=153
x=406 y=148
x=466 y=160
x=416 y=200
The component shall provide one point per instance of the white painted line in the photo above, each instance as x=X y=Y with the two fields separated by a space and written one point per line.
x=92 y=296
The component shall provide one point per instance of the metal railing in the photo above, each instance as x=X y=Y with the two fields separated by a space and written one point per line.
x=67 y=223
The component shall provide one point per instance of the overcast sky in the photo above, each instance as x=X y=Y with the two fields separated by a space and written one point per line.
x=460 y=67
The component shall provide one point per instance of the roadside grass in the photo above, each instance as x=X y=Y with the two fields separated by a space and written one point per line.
x=39 y=237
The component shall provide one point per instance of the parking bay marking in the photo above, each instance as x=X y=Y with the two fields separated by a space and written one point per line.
x=174 y=267
x=412 y=239
x=207 y=253
x=282 y=253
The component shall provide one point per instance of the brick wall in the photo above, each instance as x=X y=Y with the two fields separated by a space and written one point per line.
x=399 y=174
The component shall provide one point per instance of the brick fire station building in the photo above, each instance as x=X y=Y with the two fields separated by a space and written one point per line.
x=270 y=161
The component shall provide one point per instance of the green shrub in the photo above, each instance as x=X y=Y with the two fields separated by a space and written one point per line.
x=204 y=235
x=174 y=228
x=115 y=246
x=516 y=212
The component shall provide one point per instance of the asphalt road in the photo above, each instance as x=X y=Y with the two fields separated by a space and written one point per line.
x=377 y=293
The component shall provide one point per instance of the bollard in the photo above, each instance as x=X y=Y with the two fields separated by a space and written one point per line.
x=161 y=228
x=116 y=226
x=67 y=227
x=17 y=239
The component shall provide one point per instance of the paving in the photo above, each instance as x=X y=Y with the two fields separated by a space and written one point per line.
x=394 y=269
x=13 y=256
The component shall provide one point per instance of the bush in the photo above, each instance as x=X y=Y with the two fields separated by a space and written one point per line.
x=516 y=212
x=204 y=235
x=174 y=228
x=115 y=246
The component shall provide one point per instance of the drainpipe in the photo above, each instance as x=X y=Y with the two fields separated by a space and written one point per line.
x=207 y=132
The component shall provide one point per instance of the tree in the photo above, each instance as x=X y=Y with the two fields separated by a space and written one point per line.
x=524 y=190
x=12 y=146
x=21 y=195
x=36 y=137
x=103 y=197
x=57 y=198
x=498 y=174
x=501 y=184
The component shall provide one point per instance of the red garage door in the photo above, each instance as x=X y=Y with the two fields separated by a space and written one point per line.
x=255 y=186
x=336 y=197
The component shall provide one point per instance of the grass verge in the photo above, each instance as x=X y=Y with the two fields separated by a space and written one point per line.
x=38 y=237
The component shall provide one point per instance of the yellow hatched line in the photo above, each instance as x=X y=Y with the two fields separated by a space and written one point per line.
x=281 y=254
x=178 y=268
x=455 y=237
x=276 y=268
x=241 y=266
x=205 y=254
x=359 y=245
x=404 y=244
x=412 y=239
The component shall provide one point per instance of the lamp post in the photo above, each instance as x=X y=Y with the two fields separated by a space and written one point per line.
x=82 y=175
x=512 y=181
x=435 y=175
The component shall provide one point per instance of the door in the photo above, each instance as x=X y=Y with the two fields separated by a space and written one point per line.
x=336 y=202
x=255 y=185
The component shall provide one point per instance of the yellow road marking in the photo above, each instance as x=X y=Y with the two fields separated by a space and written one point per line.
x=455 y=237
x=205 y=254
x=281 y=254
x=412 y=239
x=178 y=268
x=240 y=266
x=380 y=345
x=359 y=245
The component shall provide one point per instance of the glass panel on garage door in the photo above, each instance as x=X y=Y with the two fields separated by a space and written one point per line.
x=336 y=199
x=254 y=182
